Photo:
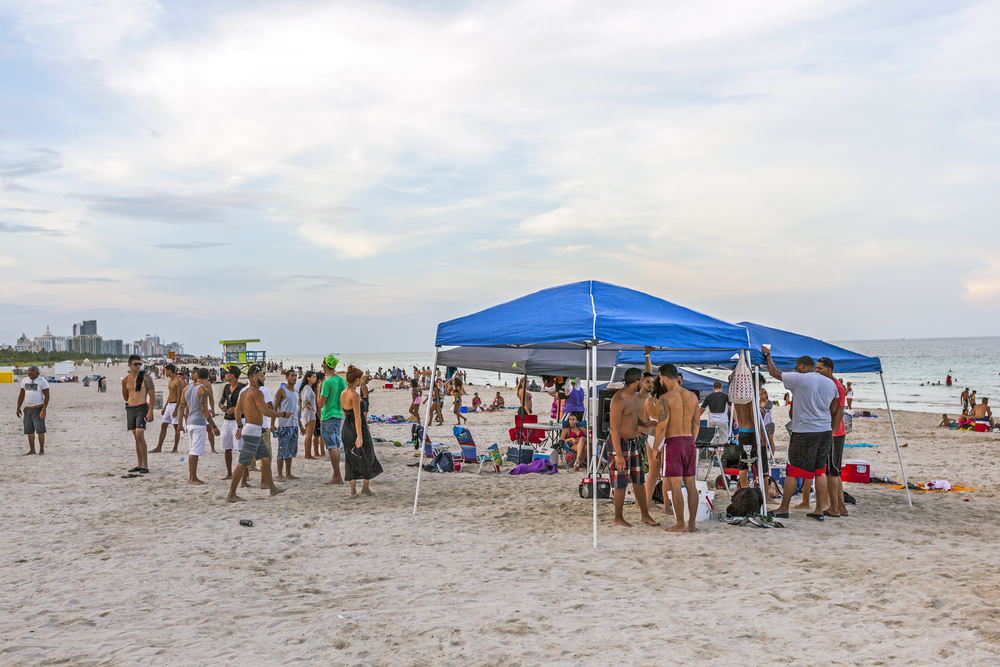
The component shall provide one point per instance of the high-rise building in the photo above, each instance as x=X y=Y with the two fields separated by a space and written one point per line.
x=90 y=345
x=46 y=342
x=23 y=344
x=85 y=328
x=113 y=347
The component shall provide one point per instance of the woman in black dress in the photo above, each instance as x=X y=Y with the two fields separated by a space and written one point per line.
x=360 y=461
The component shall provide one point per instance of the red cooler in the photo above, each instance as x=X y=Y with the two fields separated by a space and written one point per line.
x=982 y=427
x=856 y=470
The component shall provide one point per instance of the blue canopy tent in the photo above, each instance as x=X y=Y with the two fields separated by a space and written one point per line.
x=587 y=316
x=786 y=347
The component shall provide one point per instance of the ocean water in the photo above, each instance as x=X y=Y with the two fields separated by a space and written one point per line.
x=907 y=364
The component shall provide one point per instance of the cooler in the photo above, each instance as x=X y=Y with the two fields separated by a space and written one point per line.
x=982 y=427
x=548 y=453
x=856 y=470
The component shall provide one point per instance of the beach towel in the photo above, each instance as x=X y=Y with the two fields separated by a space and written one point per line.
x=863 y=444
x=922 y=488
x=542 y=466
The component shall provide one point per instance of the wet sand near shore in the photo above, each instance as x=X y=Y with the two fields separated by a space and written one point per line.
x=493 y=569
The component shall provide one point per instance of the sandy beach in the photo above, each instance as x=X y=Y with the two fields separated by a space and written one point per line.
x=493 y=570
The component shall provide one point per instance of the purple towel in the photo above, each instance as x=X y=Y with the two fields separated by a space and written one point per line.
x=543 y=466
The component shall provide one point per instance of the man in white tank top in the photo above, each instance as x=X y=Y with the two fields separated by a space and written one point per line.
x=287 y=400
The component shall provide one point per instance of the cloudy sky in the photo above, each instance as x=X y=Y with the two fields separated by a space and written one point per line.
x=344 y=175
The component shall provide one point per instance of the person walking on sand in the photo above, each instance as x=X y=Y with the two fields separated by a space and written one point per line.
x=140 y=397
x=253 y=409
x=813 y=422
x=627 y=444
x=170 y=414
x=34 y=395
x=230 y=398
x=457 y=393
x=287 y=400
x=332 y=415
x=360 y=461
x=195 y=413
x=416 y=396
x=680 y=456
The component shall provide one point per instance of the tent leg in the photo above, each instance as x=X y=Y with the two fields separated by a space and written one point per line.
x=895 y=437
x=758 y=432
x=593 y=425
x=427 y=426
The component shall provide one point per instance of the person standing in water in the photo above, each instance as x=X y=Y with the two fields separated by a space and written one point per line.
x=360 y=461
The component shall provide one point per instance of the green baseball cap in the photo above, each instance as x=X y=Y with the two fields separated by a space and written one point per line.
x=331 y=361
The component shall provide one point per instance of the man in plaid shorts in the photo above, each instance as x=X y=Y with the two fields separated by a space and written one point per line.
x=628 y=444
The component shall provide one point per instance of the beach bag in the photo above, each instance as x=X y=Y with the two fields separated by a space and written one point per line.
x=443 y=462
x=741 y=384
x=848 y=423
x=746 y=502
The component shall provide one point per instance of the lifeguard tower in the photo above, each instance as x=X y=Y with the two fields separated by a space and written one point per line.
x=236 y=352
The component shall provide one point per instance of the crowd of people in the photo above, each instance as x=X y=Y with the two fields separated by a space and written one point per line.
x=975 y=410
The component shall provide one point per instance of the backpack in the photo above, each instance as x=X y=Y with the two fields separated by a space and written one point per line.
x=416 y=434
x=746 y=502
x=443 y=462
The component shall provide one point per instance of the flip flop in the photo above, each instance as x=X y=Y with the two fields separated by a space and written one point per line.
x=130 y=475
x=782 y=515
x=818 y=517
x=135 y=469
x=832 y=516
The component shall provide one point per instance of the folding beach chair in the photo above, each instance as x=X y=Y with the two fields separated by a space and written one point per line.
x=468 y=445
x=492 y=456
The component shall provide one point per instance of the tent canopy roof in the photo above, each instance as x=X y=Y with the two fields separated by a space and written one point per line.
x=569 y=316
x=529 y=360
x=786 y=347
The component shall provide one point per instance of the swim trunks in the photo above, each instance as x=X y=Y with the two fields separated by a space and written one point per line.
x=197 y=436
x=33 y=422
x=254 y=449
x=229 y=440
x=836 y=460
x=170 y=415
x=288 y=442
x=632 y=452
x=135 y=417
x=680 y=457
x=808 y=454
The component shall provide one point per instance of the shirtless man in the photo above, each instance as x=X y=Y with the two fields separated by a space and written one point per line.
x=658 y=411
x=680 y=456
x=627 y=444
x=965 y=401
x=140 y=397
x=170 y=414
x=194 y=410
x=252 y=406
x=982 y=413
x=230 y=397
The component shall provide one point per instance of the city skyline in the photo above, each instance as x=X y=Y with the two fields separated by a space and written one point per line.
x=86 y=340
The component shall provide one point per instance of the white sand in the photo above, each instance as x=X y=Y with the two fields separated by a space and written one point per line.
x=494 y=570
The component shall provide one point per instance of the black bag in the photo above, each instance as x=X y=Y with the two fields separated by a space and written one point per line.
x=416 y=435
x=658 y=492
x=849 y=499
x=746 y=502
x=443 y=462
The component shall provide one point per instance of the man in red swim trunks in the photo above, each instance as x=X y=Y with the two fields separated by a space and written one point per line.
x=627 y=446
x=680 y=456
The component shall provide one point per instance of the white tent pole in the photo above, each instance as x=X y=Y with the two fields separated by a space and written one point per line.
x=427 y=426
x=756 y=436
x=899 y=452
x=595 y=406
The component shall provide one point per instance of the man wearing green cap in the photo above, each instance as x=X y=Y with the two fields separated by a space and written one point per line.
x=331 y=414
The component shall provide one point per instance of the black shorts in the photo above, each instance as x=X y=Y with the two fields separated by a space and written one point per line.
x=808 y=454
x=836 y=461
x=135 y=416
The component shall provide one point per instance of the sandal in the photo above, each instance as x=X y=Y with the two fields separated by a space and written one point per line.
x=818 y=517
x=832 y=516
